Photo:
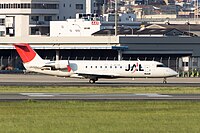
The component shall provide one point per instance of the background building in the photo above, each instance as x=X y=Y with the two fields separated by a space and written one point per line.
x=34 y=15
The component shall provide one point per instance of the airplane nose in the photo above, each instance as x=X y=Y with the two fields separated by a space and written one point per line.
x=175 y=73
x=171 y=73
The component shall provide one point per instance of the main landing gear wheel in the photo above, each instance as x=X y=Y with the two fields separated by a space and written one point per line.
x=92 y=81
x=165 y=80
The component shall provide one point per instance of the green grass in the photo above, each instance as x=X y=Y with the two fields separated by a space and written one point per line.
x=169 y=90
x=100 y=117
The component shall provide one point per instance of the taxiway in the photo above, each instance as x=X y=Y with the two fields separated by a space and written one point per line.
x=95 y=97
x=44 y=80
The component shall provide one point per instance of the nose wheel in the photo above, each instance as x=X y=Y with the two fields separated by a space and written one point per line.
x=165 y=81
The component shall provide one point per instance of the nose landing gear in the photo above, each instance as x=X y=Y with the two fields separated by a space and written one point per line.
x=164 y=80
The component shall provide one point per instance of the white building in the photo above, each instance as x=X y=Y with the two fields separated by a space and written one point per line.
x=2 y=25
x=73 y=27
x=69 y=8
x=22 y=18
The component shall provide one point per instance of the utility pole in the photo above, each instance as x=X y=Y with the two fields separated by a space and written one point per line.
x=104 y=7
x=116 y=17
x=197 y=9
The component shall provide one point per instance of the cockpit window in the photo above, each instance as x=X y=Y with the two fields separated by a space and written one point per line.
x=161 y=65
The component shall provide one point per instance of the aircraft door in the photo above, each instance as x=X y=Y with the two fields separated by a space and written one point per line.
x=147 y=71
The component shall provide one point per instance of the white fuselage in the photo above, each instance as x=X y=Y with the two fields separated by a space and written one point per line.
x=110 y=69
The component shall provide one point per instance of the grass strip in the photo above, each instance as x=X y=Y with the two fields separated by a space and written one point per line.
x=99 y=117
x=59 y=89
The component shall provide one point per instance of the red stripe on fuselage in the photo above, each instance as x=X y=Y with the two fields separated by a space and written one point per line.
x=25 y=52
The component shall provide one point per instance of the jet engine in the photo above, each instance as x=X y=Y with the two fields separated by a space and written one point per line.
x=58 y=65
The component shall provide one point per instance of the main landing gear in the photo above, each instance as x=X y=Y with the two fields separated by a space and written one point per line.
x=92 y=81
x=165 y=81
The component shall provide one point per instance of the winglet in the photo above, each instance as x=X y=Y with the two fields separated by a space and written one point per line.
x=69 y=68
x=26 y=53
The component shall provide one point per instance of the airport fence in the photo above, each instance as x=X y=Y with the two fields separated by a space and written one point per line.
x=189 y=67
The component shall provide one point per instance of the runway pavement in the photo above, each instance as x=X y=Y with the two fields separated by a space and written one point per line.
x=44 y=80
x=95 y=97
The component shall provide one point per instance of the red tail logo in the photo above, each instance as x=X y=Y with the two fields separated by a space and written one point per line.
x=25 y=52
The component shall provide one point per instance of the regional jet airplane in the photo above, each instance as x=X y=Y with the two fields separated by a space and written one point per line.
x=92 y=69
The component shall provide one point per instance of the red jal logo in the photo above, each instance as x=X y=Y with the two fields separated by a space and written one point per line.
x=95 y=23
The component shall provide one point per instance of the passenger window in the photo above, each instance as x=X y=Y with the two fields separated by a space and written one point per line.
x=95 y=66
x=91 y=66
x=85 y=66
x=110 y=66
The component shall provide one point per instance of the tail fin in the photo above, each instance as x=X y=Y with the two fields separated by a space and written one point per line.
x=29 y=57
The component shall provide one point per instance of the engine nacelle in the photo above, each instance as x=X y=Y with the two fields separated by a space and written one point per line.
x=61 y=66
x=57 y=65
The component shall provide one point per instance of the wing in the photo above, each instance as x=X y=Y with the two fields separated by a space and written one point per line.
x=98 y=75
